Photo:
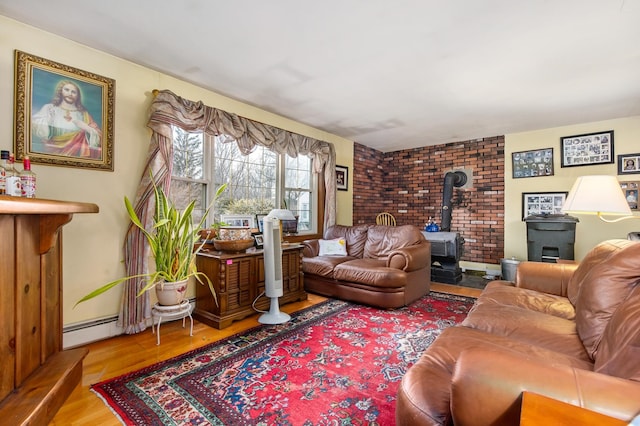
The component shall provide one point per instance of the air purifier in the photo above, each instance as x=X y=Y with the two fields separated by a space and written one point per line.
x=273 y=271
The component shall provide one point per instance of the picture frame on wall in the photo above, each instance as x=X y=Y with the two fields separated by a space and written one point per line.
x=64 y=115
x=630 y=190
x=587 y=149
x=532 y=163
x=542 y=203
x=628 y=164
x=342 y=178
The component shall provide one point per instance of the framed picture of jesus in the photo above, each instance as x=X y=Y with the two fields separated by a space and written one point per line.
x=64 y=116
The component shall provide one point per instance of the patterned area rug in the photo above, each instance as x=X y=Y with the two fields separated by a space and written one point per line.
x=333 y=363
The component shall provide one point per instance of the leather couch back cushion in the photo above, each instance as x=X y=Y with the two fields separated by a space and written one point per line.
x=596 y=256
x=382 y=240
x=356 y=237
x=619 y=351
x=603 y=289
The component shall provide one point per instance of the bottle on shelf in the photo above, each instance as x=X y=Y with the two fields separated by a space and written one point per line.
x=4 y=159
x=28 y=179
x=12 y=180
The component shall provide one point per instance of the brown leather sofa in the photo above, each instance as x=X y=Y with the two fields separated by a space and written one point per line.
x=385 y=266
x=567 y=331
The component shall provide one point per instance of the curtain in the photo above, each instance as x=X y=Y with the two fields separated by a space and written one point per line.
x=168 y=109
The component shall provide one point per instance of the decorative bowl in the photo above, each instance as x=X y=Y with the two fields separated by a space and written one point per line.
x=233 y=245
x=234 y=233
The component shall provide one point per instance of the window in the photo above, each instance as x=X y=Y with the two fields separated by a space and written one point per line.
x=255 y=182
x=298 y=190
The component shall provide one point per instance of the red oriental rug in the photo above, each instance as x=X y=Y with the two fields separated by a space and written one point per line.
x=333 y=363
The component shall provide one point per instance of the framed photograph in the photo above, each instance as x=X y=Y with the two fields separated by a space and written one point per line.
x=258 y=240
x=532 y=163
x=542 y=203
x=630 y=190
x=342 y=178
x=63 y=115
x=244 y=220
x=628 y=164
x=259 y=222
x=587 y=149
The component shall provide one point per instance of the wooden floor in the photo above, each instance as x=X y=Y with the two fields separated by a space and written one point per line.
x=119 y=355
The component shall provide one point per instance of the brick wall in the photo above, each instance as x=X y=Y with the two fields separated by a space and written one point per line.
x=409 y=184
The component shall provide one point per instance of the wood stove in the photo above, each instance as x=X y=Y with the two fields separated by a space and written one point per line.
x=447 y=247
x=446 y=250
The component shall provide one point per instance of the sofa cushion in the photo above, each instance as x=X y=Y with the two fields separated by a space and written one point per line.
x=619 y=351
x=356 y=236
x=372 y=272
x=595 y=256
x=335 y=247
x=382 y=240
x=323 y=265
x=503 y=293
x=527 y=326
x=603 y=289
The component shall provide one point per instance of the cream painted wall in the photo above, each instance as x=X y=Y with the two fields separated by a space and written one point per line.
x=590 y=230
x=93 y=243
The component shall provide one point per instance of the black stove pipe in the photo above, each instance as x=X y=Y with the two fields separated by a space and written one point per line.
x=451 y=179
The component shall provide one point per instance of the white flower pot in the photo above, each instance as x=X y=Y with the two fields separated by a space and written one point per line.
x=171 y=293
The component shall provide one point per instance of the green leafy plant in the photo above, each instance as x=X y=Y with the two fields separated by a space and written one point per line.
x=172 y=242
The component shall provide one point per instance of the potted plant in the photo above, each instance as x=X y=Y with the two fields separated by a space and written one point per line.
x=173 y=242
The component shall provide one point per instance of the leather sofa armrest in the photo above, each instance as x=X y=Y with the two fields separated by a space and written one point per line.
x=310 y=248
x=487 y=388
x=552 y=278
x=411 y=258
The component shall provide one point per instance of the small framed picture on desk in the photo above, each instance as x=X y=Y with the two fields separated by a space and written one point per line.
x=258 y=240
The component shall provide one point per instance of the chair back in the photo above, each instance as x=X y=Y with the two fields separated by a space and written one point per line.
x=385 y=218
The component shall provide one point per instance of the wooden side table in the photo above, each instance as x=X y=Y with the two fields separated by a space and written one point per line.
x=541 y=410
x=238 y=279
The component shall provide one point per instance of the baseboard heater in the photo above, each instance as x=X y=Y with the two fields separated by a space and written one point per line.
x=82 y=333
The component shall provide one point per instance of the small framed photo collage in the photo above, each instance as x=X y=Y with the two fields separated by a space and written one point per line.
x=542 y=203
x=532 y=163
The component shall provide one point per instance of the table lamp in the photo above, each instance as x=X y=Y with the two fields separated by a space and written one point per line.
x=282 y=214
x=600 y=195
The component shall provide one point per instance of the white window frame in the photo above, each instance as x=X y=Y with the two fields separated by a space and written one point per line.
x=211 y=186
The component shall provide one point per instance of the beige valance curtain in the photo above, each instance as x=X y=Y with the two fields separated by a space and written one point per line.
x=168 y=109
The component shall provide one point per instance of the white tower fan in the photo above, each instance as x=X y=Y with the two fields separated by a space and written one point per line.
x=273 y=271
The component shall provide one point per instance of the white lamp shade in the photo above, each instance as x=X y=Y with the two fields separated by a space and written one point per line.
x=598 y=194
x=282 y=214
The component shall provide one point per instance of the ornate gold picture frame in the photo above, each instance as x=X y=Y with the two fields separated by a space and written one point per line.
x=63 y=115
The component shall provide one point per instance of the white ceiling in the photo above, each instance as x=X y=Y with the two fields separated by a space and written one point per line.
x=388 y=74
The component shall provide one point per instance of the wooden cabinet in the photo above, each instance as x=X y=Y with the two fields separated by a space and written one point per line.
x=36 y=375
x=239 y=280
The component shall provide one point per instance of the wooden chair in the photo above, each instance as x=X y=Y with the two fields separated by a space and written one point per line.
x=385 y=219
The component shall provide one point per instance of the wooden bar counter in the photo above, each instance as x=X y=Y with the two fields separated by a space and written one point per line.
x=36 y=375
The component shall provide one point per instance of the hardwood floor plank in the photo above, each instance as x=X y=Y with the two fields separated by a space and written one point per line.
x=122 y=354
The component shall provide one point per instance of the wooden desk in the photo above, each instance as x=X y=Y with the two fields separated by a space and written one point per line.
x=36 y=375
x=238 y=279
x=541 y=410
